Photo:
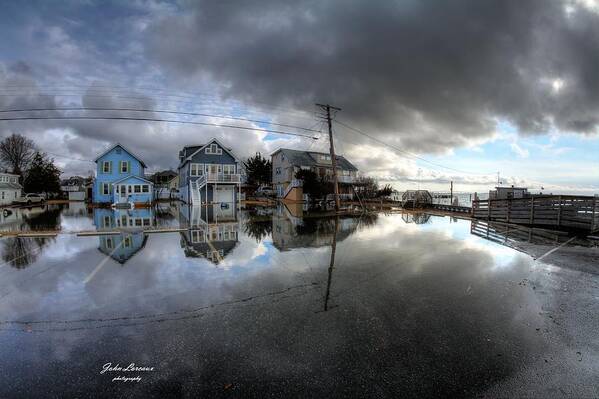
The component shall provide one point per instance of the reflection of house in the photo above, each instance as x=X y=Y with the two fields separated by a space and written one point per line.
x=416 y=218
x=166 y=184
x=106 y=219
x=120 y=178
x=121 y=247
x=129 y=224
x=211 y=233
x=208 y=173
x=286 y=162
x=10 y=189
x=289 y=233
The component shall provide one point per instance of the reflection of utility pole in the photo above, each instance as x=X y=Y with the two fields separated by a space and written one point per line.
x=331 y=265
x=328 y=108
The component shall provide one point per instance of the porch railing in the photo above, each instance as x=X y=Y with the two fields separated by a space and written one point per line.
x=222 y=177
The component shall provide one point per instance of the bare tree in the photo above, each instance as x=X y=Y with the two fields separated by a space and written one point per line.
x=16 y=152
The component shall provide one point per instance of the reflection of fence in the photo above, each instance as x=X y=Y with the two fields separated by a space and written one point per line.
x=504 y=233
x=566 y=211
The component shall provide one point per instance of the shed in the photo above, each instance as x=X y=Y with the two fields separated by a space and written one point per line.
x=508 y=192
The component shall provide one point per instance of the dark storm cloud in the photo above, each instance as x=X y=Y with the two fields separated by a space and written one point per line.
x=432 y=74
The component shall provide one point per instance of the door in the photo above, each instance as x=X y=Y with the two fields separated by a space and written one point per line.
x=123 y=193
x=213 y=171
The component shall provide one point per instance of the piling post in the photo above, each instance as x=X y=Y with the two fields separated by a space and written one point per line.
x=559 y=210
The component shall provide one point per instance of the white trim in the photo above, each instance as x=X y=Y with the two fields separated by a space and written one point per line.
x=132 y=176
x=212 y=140
x=126 y=150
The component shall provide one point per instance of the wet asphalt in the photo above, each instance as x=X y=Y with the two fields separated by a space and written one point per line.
x=411 y=311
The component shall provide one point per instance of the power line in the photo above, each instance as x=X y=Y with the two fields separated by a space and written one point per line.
x=123 y=118
x=66 y=157
x=408 y=153
x=164 y=93
x=159 y=111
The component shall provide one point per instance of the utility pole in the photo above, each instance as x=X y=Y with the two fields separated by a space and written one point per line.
x=451 y=193
x=328 y=109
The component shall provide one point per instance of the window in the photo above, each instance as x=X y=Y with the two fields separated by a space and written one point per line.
x=2 y=194
x=137 y=188
x=147 y=222
x=278 y=171
x=105 y=188
x=137 y=222
x=213 y=149
x=106 y=221
x=124 y=166
x=145 y=188
x=106 y=166
x=196 y=169
x=108 y=243
x=127 y=242
x=229 y=169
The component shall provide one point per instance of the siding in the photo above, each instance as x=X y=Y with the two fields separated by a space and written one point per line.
x=201 y=157
x=115 y=174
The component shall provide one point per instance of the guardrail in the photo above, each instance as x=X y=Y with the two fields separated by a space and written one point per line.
x=567 y=211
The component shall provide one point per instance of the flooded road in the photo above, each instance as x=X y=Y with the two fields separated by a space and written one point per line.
x=280 y=302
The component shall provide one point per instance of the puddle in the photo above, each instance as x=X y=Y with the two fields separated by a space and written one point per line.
x=350 y=304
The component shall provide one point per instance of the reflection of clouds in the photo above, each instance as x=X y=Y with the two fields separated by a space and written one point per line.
x=395 y=287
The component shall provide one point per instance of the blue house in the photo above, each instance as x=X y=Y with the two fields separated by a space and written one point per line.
x=130 y=224
x=120 y=178
x=209 y=173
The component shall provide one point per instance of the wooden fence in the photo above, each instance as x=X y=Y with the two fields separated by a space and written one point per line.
x=556 y=211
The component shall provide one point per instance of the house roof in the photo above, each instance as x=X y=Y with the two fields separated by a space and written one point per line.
x=132 y=177
x=194 y=149
x=124 y=148
x=308 y=158
x=13 y=186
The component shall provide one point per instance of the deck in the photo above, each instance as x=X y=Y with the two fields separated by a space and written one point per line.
x=554 y=211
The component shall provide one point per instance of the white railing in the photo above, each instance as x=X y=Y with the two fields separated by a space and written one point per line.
x=200 y=181
x=345 y=179
x=294 y=184
x=222 y=177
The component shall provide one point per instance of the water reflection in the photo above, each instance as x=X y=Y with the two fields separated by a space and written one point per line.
x=416 y=218
x=351 y=297
x=211 y=231
x=20 y=252
x=44 y=217
x=125 y=227
x=311 y=230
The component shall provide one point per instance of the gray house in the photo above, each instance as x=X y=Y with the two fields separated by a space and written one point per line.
x=208 y=173
x=286 y=162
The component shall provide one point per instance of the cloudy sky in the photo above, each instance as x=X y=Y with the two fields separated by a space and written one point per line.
x=457 y=90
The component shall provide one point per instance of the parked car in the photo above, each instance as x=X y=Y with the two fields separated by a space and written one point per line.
x=29 y=199
x=265 y=192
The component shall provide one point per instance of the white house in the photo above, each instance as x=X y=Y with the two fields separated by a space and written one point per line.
x=10 y=189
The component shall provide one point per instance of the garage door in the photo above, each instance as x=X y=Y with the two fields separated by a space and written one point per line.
x=224 y=194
